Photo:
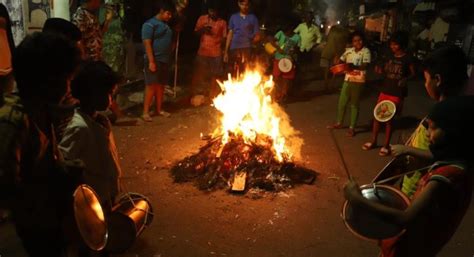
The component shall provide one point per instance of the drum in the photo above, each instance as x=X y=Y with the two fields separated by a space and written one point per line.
x=117 y=231
x=285 y=65
x=339 y=68
x=368 y=226
x=385 y=110
x=132 y=214
x=270 y=48
x=90 y=218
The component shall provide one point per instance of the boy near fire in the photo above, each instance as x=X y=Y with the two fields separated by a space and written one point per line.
x=212 y=31
x=243 y=31
x=287 y=42
x=357 y=57
x=157 y=39
x=397 y=69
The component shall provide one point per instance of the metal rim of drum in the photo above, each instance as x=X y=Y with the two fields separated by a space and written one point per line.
x=349 y=226
x=392 y=104
x=120 y=222
x=97 y=246
x=285 y=65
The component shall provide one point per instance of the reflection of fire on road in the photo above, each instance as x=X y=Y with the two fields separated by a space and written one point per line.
x=254 y=146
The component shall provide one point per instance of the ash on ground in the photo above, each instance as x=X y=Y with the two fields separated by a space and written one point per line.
x=215 y=167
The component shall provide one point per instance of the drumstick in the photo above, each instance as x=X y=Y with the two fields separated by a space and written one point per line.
x=349 y=176
x=383 y=181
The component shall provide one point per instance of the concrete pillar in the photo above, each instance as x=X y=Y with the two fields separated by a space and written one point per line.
x=60 y=9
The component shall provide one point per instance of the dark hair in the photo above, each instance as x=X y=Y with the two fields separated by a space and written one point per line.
x=450 y=63
x=212 y=4
x=358 y=34
x=4 y=14
x=42 y=64
x=62 y=27
x=401 y=38
x=94 y=78
x=167 y=6
x=454 y=117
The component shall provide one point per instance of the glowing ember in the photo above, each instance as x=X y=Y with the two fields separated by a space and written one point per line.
x=248 y=112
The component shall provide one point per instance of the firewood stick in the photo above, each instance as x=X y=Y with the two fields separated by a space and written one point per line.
x=219 y=152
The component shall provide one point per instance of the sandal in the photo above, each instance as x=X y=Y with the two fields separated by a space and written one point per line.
x=334 y=126
x=368 y=146
x=350 y=132
x=384 y=151
x=146 y=117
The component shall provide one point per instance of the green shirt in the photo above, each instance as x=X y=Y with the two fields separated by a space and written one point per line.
x=286 y=43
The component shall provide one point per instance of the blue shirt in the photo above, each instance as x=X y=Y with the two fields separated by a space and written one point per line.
x=161 y=36
x=244 y=30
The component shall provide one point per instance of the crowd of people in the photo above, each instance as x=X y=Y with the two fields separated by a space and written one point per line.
x=63 y=86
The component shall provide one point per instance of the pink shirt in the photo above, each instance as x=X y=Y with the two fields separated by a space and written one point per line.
x=210 y=45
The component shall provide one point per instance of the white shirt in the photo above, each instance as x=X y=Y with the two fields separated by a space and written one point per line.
x=93 y=142
x=357 y=59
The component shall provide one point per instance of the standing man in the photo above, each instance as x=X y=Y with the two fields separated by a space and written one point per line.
x=157 y=37
x=243 y=27
x=310 y=36
x=212 y=30
x=92 y=31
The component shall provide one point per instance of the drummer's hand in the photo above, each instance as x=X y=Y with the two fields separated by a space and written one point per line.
x=351 y=190
x=398 y=150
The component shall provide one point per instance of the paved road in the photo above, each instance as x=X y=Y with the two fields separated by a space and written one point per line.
x=304 y=221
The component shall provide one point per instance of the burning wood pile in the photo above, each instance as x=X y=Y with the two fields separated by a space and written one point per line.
x=254 y=146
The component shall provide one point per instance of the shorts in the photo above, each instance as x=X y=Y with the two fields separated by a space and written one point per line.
x=211 y=65
x=286 y=75
x=160 y=76
x=398 y=101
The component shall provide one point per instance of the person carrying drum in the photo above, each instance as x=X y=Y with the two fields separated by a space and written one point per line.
x=397 y=69
x=357 y=57
x=243 y=31
x=443 y=194
x=287 y=42
x=445 y=77
x=89 y=129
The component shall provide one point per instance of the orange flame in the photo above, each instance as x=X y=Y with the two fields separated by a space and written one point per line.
x=248 y=111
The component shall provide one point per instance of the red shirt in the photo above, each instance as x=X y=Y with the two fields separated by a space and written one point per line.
x=210 y=45
x=433 y=229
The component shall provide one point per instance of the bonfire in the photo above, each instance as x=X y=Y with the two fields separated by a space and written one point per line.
x=254 y=145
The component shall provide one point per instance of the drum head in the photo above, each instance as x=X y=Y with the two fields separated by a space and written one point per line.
x=368 y=226
x=90 y=218
x=385 y=110
x=285 y=65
